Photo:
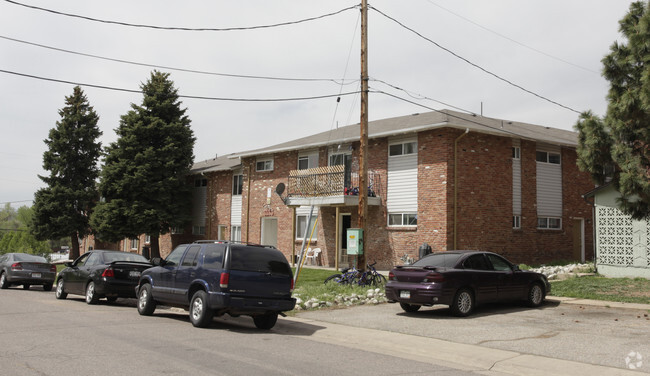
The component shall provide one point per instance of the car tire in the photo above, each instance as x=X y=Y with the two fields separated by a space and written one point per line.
x=266 y=321
x=200 y=312
x=146 y=304
x=410 y=307
x=4 y=283
x=535 y=295
x=91 y=294
x=47 y=287
x=60 y=291
x=26 y=286
x=463 y=303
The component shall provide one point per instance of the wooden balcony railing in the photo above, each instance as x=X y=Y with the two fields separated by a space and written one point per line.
x=330 y=181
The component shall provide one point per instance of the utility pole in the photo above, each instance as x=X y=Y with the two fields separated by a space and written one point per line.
x=363 y=139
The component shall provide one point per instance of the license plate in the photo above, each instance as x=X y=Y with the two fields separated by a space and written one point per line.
x=405 y=294
x=134 y=273
x=36 y=275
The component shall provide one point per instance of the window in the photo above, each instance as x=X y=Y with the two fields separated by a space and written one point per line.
x=301 y=223
x=177 y=230
x=303 y=162
x=175 y=257
x=198 y=230
x=402 y=149
x=547 y=157
x=133 y=243
x=264 y=165
x=235 y=233
x=476 y=262
x=191 y=256
x=237 y=184
x=221 y=232
x=201 y=183
x=549 y=223
x=147 y=239
x=213 y=256
x=516 y=152
x=499 y=264
x=402 y=219
x=516 y=222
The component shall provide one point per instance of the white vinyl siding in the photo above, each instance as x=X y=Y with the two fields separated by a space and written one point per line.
x=235 y=210
x=516 y=178
x=402 y=190
x=549 y=183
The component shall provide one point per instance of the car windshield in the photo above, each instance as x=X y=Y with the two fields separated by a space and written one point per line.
x=259 y=259
x=28 y=258
x=123 y=256
x=442 y=259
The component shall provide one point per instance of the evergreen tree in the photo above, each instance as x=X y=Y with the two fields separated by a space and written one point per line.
x=62 y=208
x=143 y=182
x=617 y=146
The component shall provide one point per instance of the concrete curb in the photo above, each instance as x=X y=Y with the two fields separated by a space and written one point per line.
x=449 y=354
x=598 y=303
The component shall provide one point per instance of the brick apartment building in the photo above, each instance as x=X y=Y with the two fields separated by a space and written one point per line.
x=448 y=179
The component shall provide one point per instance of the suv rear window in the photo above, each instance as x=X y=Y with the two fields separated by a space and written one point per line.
x=259 y=260
x=213 y=256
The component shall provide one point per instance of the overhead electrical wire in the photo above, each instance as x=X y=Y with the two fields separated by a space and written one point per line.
x=338 y=82
x=180 y=95
x=474 y=64
x=420 y=96
x=182 y=28
x=513 y=40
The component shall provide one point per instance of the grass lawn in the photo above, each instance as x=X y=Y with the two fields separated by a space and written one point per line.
x=628 y=290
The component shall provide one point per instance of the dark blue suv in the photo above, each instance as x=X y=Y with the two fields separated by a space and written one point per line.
x=211 y=278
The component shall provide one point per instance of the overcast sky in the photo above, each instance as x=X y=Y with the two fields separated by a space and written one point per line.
x=551 y=48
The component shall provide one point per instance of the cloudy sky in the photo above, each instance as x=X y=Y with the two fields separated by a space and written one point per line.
x=419 y=59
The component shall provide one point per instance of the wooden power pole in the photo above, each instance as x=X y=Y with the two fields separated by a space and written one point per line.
x=363 y=140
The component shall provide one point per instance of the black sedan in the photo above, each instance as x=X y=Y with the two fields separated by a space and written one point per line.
x=25 y=269
x=101 y=274
x=462 y=280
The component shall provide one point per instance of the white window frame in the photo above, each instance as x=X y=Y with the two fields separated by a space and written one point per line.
x=516 y=152
x=404 y=219
x=147 y=239
x=301 y=221
x=265 y=164
x=406 y=148
x=549 y=223
x=548 y=157
x=133 y=243
x=221 y=230
x=177 y=230
x=516 y=222
x=237 y=181
x=235 y=233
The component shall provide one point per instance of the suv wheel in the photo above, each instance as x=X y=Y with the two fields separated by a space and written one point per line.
x=146 y=304
x=200 y=312
x=265 y=321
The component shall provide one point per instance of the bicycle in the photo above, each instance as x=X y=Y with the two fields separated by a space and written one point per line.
x=354 y=276
x=372 y=277
x=348 y=276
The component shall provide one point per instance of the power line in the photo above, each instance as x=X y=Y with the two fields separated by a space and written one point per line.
x=476 y=65
x=513 y=40
x=338 y=82
x=182 y=28
x=420 y=96
x=181 y=96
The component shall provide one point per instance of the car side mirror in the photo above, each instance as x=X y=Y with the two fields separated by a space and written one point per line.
x=515 y=268
x=157 y=261
x=69 y=264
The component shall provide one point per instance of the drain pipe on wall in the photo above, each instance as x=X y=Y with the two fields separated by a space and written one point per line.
x=593 y=229
x=456 y=187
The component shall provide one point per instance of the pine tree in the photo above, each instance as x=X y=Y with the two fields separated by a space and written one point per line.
x=617 y=146
x=143 y=183
x=62 y=208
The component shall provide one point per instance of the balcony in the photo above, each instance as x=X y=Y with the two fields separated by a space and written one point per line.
x=330 y=186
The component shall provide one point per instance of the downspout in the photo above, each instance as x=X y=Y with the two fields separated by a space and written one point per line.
x=248 y=200
x=593 y=230
x=456 y=186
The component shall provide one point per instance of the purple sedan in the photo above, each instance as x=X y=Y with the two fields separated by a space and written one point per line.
x=463 y=280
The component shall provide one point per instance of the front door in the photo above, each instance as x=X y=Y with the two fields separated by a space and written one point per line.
x=345 y=223
x=270 y=231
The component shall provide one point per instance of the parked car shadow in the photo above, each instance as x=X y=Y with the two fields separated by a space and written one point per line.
x=490 y=309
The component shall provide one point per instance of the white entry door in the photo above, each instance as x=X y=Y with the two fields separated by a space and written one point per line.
x=270 y=231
